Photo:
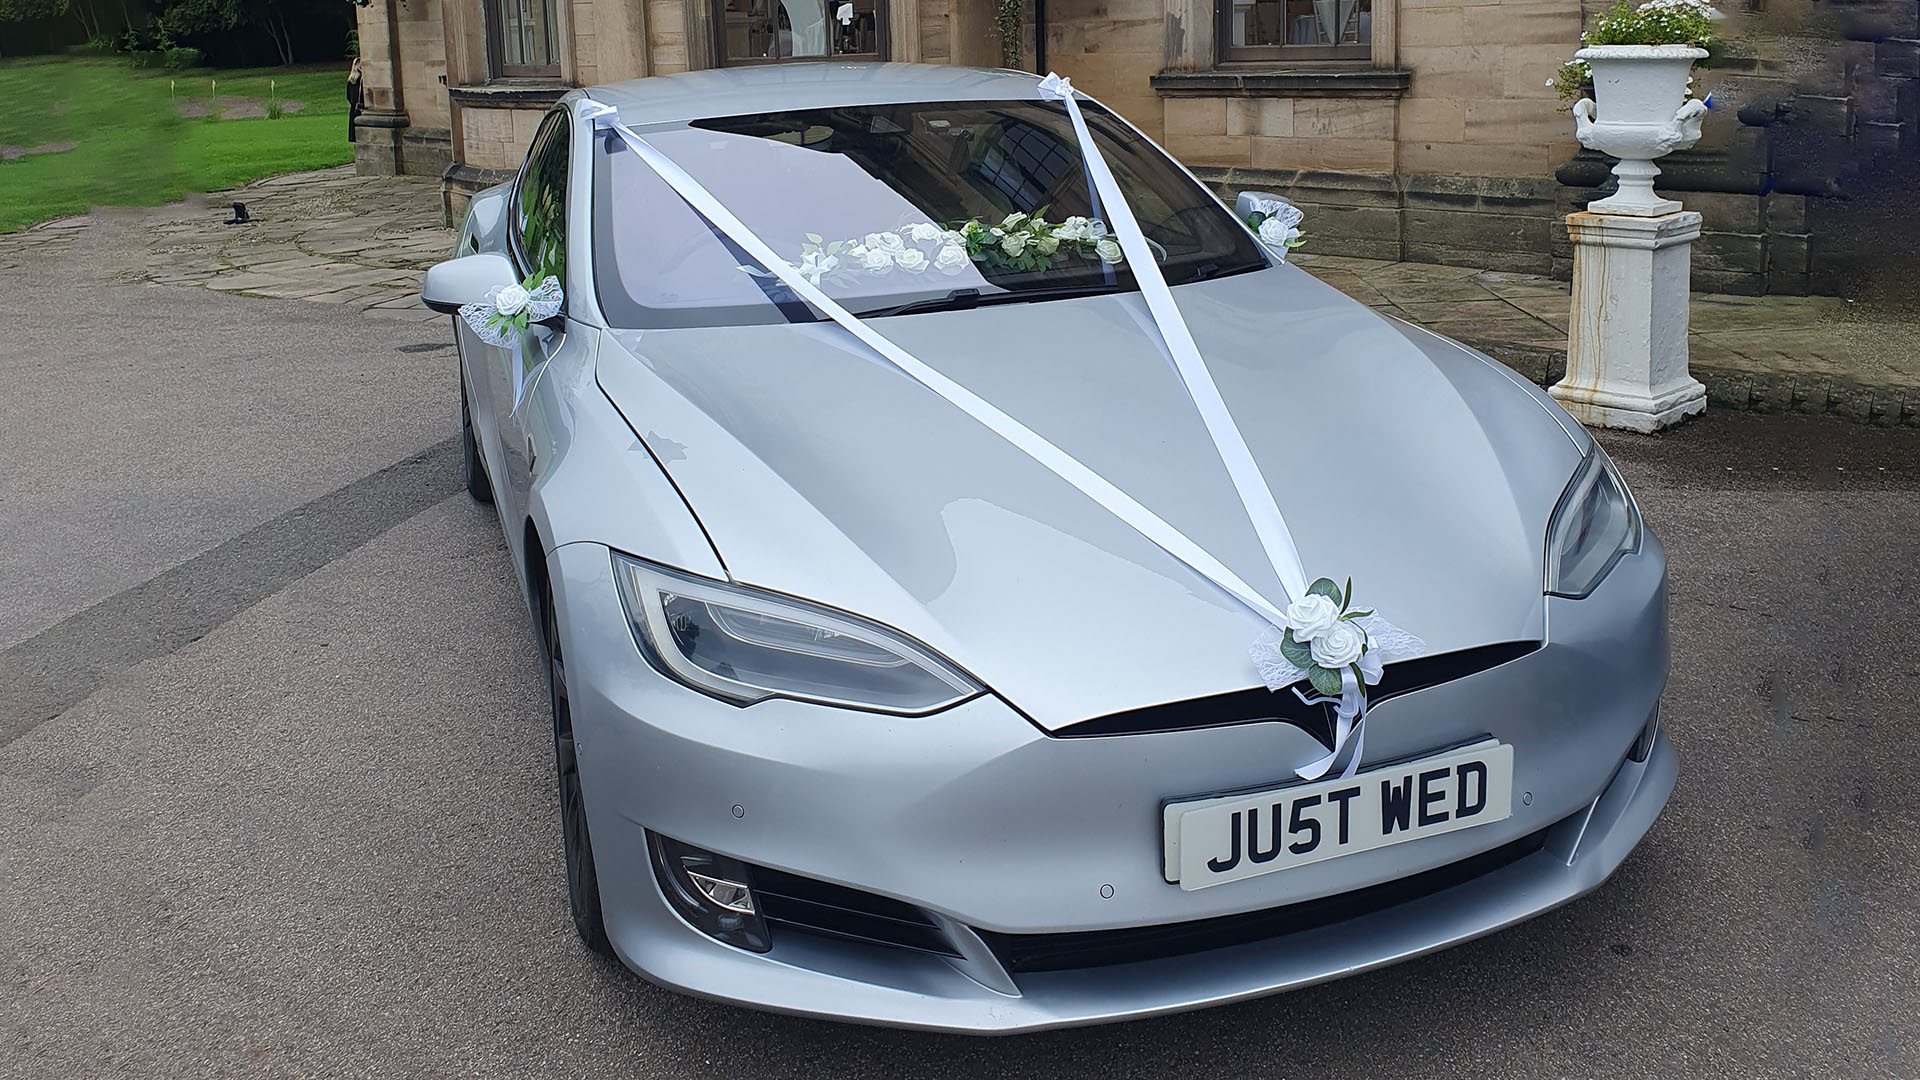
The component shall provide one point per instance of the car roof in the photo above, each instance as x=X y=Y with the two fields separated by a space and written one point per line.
x=761 y=88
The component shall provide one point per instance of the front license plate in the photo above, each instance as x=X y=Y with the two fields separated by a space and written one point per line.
x=1230 y=837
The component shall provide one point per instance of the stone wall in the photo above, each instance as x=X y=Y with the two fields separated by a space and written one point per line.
x=405 y=126
x=1108 y=47
x=1478 y=104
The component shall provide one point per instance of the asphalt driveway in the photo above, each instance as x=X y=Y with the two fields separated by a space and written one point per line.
x=276 y=784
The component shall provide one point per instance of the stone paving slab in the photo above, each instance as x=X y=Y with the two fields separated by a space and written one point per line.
x=327 y=236
x=360 y=242
x=1810 y=354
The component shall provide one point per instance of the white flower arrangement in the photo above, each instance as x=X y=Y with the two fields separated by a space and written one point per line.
x=1327 y=638
x=1020 y=243
x=509 y=309
x=1324 y=637
x=1278 y=225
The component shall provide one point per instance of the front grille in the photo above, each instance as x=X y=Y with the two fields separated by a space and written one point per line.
x=791 y=902
x=1031 y=953
x=1260 y=705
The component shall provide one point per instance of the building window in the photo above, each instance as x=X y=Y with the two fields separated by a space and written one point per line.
x=769 y=31
x=523 y=38
x=1296 y=29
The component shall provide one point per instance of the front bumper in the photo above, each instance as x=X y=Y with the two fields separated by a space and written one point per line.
x=990 y=825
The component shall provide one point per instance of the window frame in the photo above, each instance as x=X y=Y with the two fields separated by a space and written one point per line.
x=497 y=65
x=556 y=117
x=1228 y=53
x=882 y=41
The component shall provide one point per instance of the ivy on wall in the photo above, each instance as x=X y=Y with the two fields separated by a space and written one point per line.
x=1008 y=15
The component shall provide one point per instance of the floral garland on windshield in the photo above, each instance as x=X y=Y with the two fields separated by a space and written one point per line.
x=1023 y=243
x=1028 y=242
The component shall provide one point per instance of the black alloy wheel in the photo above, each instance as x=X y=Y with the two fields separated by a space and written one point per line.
x=583 y=883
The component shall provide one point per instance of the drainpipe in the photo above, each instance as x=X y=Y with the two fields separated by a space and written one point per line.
x=1039 y=37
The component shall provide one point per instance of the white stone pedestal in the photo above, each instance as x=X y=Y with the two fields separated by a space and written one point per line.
x=1627 y=338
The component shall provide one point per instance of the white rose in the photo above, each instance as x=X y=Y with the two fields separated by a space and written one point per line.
x=857 y=252
x=1108 y=250
x=1311 y=615
x=814 y=266
x=1275 y=233
x=876 y=261
x=912 y=260
x=889 y=242
x=1074 y=228
x=1341 y=645
x=1012 y=220
x=1014 y=244
x=953 y=236
x=952 y=259
x=925 y=233
x=511 y=300
x=1047 y=245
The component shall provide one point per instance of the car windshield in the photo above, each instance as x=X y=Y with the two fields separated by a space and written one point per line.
x=892 y=208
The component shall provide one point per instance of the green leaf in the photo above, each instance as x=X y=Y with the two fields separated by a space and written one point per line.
x=1356 y=614
x=1325 y=681
x=815 y=237
x=1298 y=653
x=836 y=247
x=1325 y=587
x=1348 y=602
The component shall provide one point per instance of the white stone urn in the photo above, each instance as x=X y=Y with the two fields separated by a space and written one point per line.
x=1643 y=112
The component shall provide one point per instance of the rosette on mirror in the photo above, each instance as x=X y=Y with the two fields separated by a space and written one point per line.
x=509 y=309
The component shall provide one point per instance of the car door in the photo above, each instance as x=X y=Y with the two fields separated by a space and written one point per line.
x=536 y=242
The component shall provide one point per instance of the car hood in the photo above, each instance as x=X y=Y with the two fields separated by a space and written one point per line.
x=1423 y=471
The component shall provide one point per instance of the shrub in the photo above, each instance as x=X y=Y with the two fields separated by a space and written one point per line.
x=180 y=57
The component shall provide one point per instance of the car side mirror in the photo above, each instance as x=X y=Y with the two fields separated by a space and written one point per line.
x=457 y=282
x=1243 y=206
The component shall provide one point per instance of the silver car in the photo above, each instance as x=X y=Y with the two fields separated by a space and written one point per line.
x=862 y=713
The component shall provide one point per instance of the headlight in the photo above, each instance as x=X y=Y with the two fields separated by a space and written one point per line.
x=1595 y=524
x=743 y=646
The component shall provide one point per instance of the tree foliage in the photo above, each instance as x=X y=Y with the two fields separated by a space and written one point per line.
x=85 y=11
x=202 y=19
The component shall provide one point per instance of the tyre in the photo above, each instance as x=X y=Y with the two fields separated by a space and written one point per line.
x=583 y=883
x=472 y=464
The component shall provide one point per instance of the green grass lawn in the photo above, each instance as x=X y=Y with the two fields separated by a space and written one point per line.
x=134 y=148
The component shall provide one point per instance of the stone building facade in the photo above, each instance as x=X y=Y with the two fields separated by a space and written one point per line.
x=1408 y=129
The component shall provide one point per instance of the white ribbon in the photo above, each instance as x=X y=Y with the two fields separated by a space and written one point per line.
x=1262 y=510
x=1255 y=494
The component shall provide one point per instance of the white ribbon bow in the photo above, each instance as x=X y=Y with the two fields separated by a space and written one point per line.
x=1262 y=511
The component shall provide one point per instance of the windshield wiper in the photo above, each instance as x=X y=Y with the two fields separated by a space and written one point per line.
x=963 y=299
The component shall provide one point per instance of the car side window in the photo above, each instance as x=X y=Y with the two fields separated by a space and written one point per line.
x=540 y=203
